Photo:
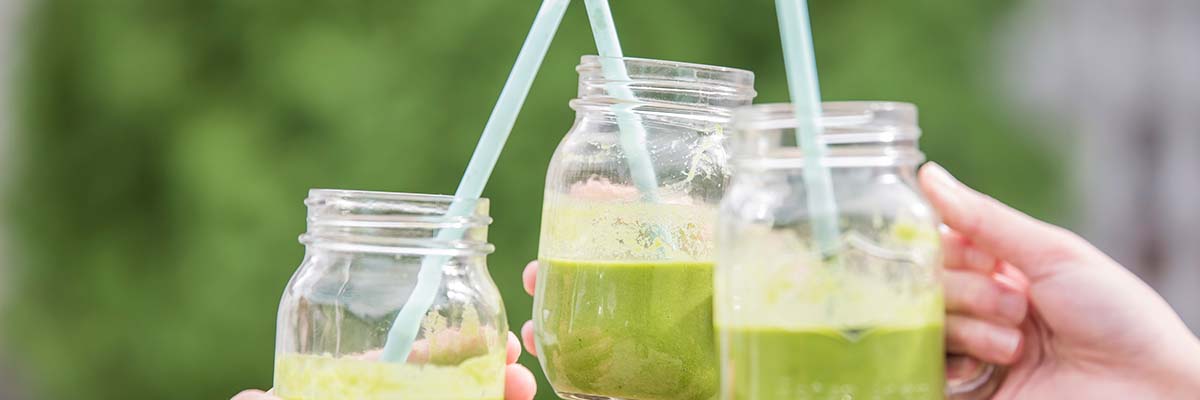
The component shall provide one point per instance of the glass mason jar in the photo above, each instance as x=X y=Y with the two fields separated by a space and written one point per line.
x=623 y=305
x=864 y=321
x=363 y=252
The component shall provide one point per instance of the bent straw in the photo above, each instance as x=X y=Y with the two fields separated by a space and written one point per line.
x=495 y=133
x=803 y=84
x=612 y=65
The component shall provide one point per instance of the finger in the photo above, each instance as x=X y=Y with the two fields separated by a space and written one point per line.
x=958 y=253
x=253 y=395
x=983 y=340
x=980 y=296
x=1031 y=245
x=1012 y=277
x=955 y=248
x=514 y=348
x=518 y=383
x=530 y=276
x=527 y=338
x=962 y=369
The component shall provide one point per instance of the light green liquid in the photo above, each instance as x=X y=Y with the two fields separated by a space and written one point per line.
x=627 y=330
x=880 y=363
x=307 y=377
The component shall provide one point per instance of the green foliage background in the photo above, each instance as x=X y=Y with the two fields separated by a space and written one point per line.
x=166 y=145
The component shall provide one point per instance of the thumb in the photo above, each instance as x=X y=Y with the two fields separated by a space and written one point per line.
x=1033 y=246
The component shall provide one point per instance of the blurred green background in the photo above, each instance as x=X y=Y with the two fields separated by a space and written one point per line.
x=164 y=149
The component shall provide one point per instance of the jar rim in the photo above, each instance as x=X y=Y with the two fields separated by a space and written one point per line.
x=732 y=81
x=857 y=133
x=592 y=59
x=381 y=195
x=386 y=222
x=394 y=201
x=836 y=114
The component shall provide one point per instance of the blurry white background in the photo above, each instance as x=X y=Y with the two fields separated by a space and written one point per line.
x=1122 y=80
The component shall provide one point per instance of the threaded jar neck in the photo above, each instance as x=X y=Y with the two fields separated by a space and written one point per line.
x=402 y=223
x=663 y=87
x=856 y=133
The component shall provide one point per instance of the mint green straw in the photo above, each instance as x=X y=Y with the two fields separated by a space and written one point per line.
x=495 y=133
x=805 y=90
x=612 y=64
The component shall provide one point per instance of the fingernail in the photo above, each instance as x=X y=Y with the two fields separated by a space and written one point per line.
x=529 y=277
x=1013 y=307
x=1007 y=341
x=514 y=348
x=942 y=177
x=527 y=338
x=947 y=186
x=1008 y=281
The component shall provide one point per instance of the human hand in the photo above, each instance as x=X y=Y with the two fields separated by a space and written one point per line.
x=518 y=380
x=1093 y=329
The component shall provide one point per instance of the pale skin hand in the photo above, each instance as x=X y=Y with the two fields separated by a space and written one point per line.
x=1094 y=330
x=1068 y=321
x=518 y=381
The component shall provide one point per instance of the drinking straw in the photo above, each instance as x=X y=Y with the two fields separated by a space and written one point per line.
x=805 y=90
x=633 y=133
x=470 y=188
x=612 y=65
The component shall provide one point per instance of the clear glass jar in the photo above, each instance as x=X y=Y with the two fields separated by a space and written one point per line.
x=363 y=251
x=623 y=306
x=863 y=322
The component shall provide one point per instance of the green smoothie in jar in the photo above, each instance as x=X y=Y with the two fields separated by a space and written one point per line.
x=630 y=327
x=630 y=330
x=856 y=315
x=857 y=325
x=623 y=307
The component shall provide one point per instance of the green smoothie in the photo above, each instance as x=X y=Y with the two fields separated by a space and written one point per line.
x=877 y=363
x=311 y=377
x=627 y=330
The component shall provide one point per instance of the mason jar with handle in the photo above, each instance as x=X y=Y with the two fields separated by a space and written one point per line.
x=864 y=321
x=363 y=252
x=623 y=304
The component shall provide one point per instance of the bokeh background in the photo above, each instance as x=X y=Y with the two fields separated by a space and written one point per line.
x=155 y=153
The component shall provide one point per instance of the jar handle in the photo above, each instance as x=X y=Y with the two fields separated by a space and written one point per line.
x=968 y=378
